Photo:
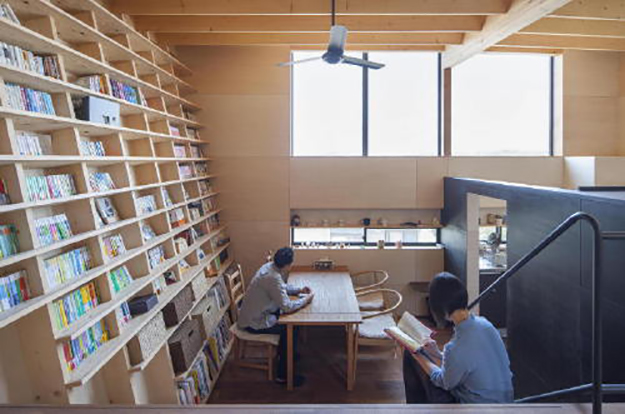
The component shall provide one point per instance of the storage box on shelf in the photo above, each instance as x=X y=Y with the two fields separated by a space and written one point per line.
x=83 y=203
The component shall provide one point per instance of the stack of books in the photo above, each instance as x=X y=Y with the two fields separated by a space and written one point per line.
x=6 y=12
x=180 y=151
x=218 y=343
x=4 y=193
x=101 y=181
x=122 y=314
x=74 y=305
x=173 y=130
x=205 y=187
x=156 y=256
x=67 y=266
x=29 y=143
x=52 y=229
x=196 y=151
x=176 y=217
x=79 y=349
x=127 y=93
x=96 y=83
x=92 y=148
x=195 y=387
x=146 y=204
x=185 y=171
x=195 y=210
x=13 y=290
x=11 y=55
x=46 y=187
x=9 y=244
x=114 y=246
x=26 y=99
x=120 y=278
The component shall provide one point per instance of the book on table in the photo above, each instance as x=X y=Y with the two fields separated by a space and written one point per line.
x=410 y=333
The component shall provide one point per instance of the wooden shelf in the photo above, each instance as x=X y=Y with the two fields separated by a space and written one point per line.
x=48 y=161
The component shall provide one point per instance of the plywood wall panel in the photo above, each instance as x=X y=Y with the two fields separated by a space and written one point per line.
x=430 y=174
x=591 y=74
x=591 y=126
x=353 y=183
x=610 y=171
x=545 y=171
x=246 y=126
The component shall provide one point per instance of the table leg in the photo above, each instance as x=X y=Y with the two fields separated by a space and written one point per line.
x=350 y=357
x=289 y=358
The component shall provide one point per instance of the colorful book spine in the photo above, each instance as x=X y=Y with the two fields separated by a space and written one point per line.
x=195 y=387
x=67 y=266
x=95 y=83
x=53 y=229
x=127 y=93
x=156 y=256
x=101 y=181
x=176 y=217
x=114 y=246
x=79 y=349
x=13 y=290
x=11 y=55
x=185 y=171
x=47 y=187
x=5 y=198
x=92 y=148
x=9 y=244
x=174 y=130
x=26 y=99
x=120 y=278
x=73 y=306
x=123 y=315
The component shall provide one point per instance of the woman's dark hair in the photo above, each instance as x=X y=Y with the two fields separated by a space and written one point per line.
x=283 y=257
x=447 y=294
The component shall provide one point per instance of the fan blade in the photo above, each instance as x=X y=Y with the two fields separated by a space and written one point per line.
x=361 y=62
x=338 y=37
x=295 y=62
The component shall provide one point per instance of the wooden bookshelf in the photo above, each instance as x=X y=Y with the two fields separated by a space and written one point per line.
x=157 y=155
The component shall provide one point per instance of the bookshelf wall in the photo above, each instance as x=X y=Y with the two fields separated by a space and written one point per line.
x=95 y=215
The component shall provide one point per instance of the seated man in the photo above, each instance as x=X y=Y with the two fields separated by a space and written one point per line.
x=474 y=366
x=266 y=298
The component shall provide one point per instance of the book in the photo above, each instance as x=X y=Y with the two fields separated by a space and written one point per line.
x=196 y=151
x=77 y=350
x=201 y=168
x=101 y=181
x=166 y=198
x=13 y=290
x=410 y=333
x=6 y=12
x=67 y=266
x=176 y=217
x=186 y=171
x=92 y=148
x=147 y=231
x=30 y=143
x=174 y=130
x=156 y=256
x=120 y=278
x=73 y=306
x=106 y=210
x=5 y=198
x=9 y=243
x=180 y=151
x=146 y=204
x=114 y=246
x=127 y=93
x=46 y=187
x=52 y=229
x=95 y=83
x=27 y=99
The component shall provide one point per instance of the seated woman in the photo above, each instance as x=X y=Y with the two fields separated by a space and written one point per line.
x=474 y=366
x=267 y=296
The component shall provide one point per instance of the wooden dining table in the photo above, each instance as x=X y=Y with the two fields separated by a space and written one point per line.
x=334 y=304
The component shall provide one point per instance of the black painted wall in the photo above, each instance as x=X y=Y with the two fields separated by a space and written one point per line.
x=548 y=308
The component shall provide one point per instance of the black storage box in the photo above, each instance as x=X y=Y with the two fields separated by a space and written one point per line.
x=142 y=304
x=98 y=110
x=178 y=307
x=185 y=344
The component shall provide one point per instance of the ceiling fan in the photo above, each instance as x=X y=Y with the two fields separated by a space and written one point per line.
x=336 y=49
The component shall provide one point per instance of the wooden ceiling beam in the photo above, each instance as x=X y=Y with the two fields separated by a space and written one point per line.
x=522 y=13
x=169 y=7
x=512 y=49
x=263 y=39
x=577 y=27
x=274 y=24
x=593 y=9
x=565 y=42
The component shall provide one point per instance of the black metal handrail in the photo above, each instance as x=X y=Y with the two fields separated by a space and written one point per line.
x=596 y=386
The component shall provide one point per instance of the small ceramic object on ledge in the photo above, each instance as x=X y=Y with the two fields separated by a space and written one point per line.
x=365 y=221
x=436 y=221
x=383 y=222
x=340 y=223
x=399 y=244
x=325 y=223
x=380 y=244
x=296 y=220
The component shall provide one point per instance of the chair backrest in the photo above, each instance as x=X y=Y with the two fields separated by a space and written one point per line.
x=392 y=300
x=369 y=279
x=236 y=289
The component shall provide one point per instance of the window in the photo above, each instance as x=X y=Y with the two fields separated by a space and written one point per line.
x=362 y=236
x=501 y=105
x=343 y=110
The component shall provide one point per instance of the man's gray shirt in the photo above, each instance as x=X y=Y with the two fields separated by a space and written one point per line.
x=266 y=294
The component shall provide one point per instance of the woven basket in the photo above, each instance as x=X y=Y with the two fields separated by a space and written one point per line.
x=184 y=345
x=178 y=307
x=147 y=340
x=199 y=285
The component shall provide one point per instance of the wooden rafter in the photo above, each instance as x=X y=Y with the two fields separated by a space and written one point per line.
x=291 y=23
x=577 y=27
x=172 y=7
x=593 y=9
x=497 y=28
x=565 y=42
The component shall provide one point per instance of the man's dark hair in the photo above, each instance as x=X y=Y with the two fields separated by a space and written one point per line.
x=447 y=294
x=283 y=257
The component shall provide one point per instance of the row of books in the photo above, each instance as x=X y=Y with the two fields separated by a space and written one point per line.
x=180 y=151
x=5 y=198
x=78 y=350
x=120 y=278
x=9 y=244
x=176 y=217
x=201 y=168
x=114 y=246
x=23 y=59
x=196 y=152
x=127 y=93
x=47 y=187
x=101 y=181
x=30 y=143
x=122 y=314
x=96 y=83
x=106 y=210
x=146 y=204
x=92 y=148
x=27 y=99
x=6 y=12
x=52 y=229
x=13 y=290
x=74 y=305
x=205 y=187
x=67 y=266
x=156 y=256
x=185 y=170
x=218 y=344
x=195 y=387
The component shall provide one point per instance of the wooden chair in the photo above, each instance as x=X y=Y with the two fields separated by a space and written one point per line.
x=366 y=281
x=371 y=330
x=242 y=338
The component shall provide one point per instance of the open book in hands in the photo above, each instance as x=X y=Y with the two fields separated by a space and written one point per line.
x=410 y=333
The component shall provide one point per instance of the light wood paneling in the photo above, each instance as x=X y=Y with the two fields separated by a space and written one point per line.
x=581 y=27
x=591 y=73
x=590 y=126
x=610 y=171
x=593 y=9
x=254 y=188
x=353 y=183
x=544 y=171
x=430 y=173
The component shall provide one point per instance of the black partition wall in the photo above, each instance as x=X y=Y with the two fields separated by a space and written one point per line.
x=548 y=301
